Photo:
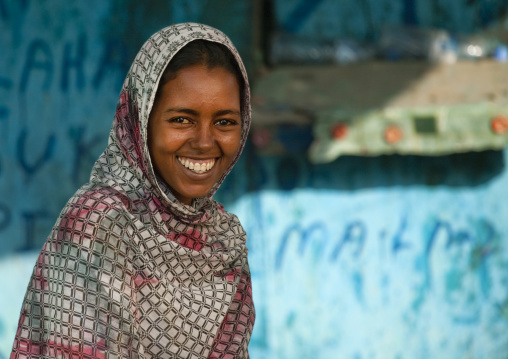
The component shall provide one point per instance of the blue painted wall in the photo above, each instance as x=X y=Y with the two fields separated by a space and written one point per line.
x=395 y=270
x=390 y=257
x=363 y=19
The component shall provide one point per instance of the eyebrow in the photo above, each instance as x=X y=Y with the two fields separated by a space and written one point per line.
x=195 y=113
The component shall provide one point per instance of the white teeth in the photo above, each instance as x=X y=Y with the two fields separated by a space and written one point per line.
x=197 y=167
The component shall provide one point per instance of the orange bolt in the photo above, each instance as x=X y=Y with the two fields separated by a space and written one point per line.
x=499 y=124
x=393 y=134
x=339 y=131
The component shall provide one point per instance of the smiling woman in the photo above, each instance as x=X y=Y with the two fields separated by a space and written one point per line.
x=194 y=130
x=143 y=262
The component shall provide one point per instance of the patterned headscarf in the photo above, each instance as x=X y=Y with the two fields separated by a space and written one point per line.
x=129 y=271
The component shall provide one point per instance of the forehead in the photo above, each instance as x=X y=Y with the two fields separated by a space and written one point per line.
x=199 y=83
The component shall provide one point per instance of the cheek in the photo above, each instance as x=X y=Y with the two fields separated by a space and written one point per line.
x=166 y=140
x=231 y=143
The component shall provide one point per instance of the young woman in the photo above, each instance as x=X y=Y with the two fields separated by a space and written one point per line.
x=142 y=262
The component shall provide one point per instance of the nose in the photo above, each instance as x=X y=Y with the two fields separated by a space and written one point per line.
x=203 y=138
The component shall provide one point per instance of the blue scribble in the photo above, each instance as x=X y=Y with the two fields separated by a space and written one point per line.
x=438 y=225
x=358 y=285
x=458 y=238
x=423 y=262
x=33 y=62
x=307 y=234
x=31 y=169
x=304 y=234
x=77 y=63
x=482 y=252
x=398 y=244
x=355 y=232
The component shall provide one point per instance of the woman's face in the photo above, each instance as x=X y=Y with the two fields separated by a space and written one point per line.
x=194 y=129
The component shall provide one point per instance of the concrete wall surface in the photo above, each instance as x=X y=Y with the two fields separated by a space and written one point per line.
x=396 y=257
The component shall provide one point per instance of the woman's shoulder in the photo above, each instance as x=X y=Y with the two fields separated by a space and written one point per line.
x=96 y=199
x=92 y=233
x=94 y=209
x=95 y=222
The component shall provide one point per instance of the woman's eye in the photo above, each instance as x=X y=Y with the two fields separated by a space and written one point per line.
x=226 y=122
x=179 y=120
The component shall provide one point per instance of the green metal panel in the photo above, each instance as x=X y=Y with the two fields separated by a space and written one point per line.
x=431 y=110
x=427 y=131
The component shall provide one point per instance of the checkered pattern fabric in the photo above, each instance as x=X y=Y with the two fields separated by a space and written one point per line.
x=130 y=272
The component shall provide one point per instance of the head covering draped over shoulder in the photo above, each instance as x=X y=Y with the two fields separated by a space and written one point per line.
x=128 y=271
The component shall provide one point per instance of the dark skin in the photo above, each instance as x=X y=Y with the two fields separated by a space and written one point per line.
x=194 y=130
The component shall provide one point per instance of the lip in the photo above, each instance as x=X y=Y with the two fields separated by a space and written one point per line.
x=193 y=174
x=199 y=158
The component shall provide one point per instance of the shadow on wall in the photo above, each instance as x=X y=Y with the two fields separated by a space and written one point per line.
x=350 y=173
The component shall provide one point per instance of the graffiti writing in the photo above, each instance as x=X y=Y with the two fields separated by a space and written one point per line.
x=74 y=62
x=355 y=235
x=38 y=58
x=39 y=66
x=481 y=242
x=31 y=168
x=50 y=67
x=31 y=161
x=305 y=235
x=398 y=243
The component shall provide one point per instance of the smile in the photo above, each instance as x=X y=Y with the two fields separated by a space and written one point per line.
x=197 y=166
